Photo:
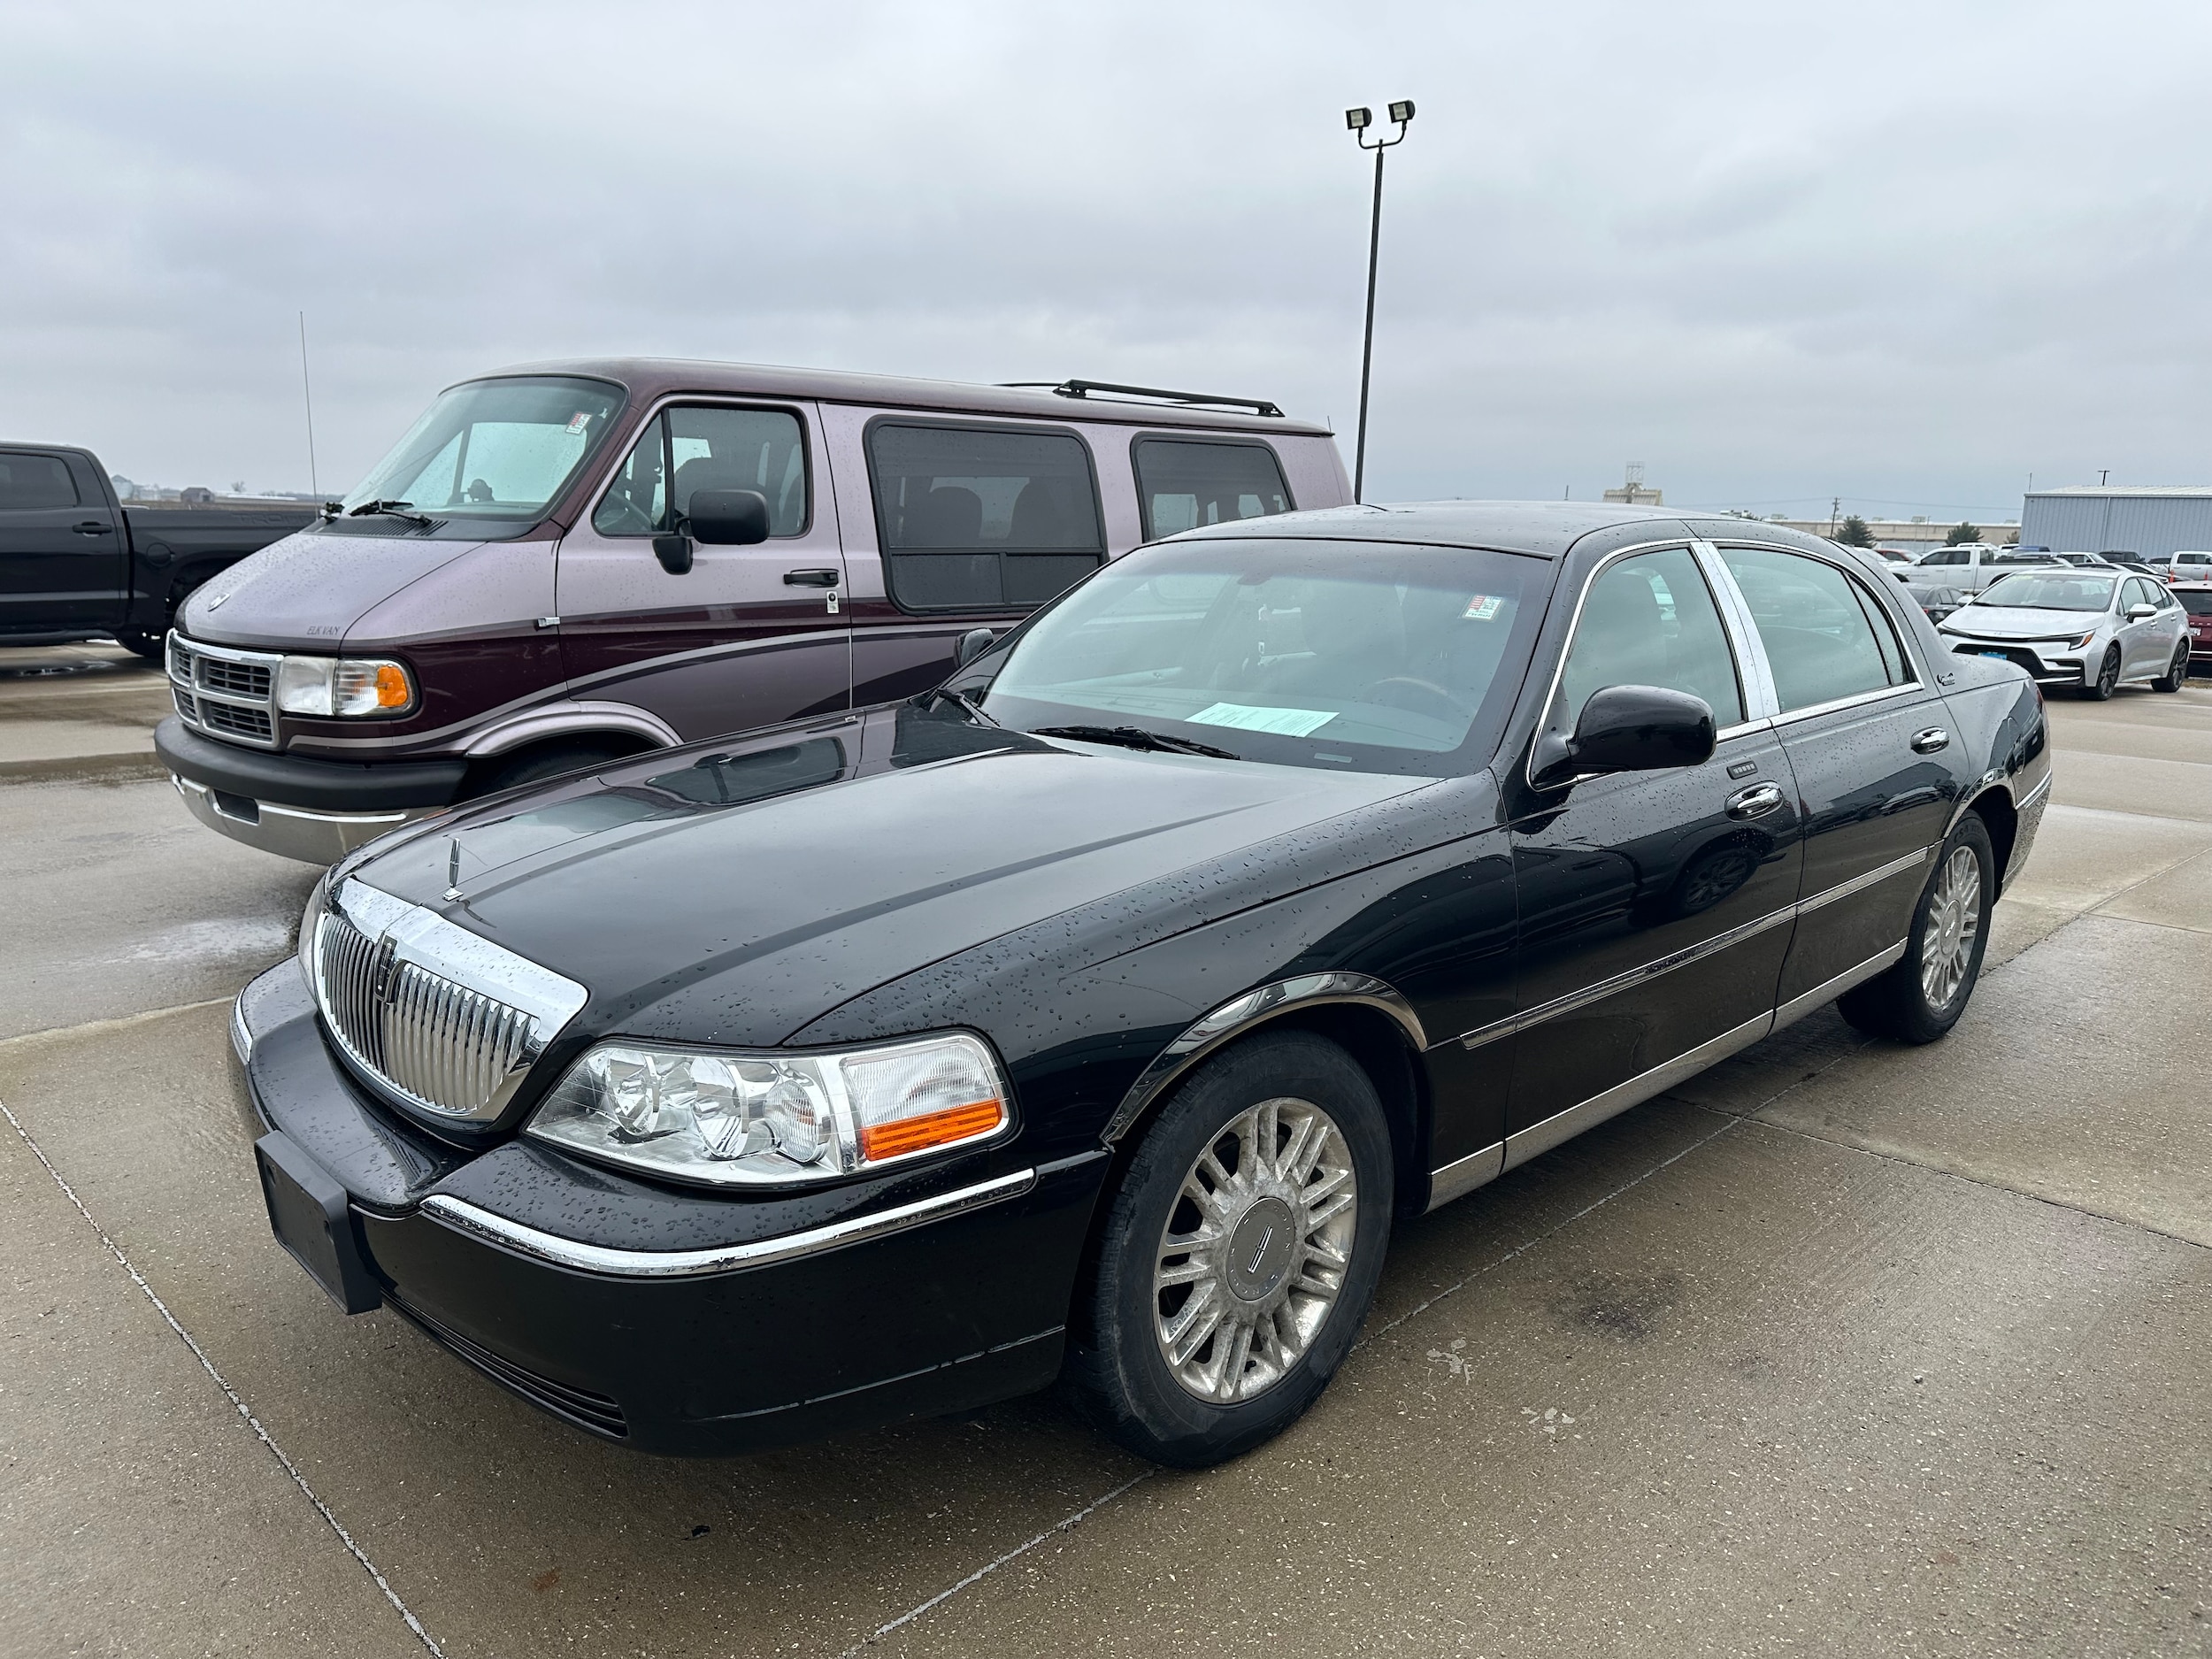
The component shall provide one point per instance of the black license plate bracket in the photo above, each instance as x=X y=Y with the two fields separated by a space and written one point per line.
x=309 y=1213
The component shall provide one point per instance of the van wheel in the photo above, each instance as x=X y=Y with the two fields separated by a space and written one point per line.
x=2176 y=671
x=2107 y=680
x=1923 y=996
x=534 y=765
x=1239 y=1253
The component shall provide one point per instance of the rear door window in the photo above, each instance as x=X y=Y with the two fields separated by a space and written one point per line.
x=1182 y=484
x=706 y=447
x=33 y=483
x=1820 y=641
x=982 y=518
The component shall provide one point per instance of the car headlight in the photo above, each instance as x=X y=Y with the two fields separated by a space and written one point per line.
x=343 y=686
x=736 y=1118
x=2082 y=643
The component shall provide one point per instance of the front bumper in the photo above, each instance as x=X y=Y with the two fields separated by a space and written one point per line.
x=313 y=810
x=2046 y=662
x=679 y=1322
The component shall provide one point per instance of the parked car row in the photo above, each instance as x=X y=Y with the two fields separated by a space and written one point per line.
x=1094 y=1011
x=566 y=564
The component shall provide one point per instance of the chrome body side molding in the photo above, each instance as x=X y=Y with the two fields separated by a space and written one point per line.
x=1462 y=1176
x=729 y=1258
x=1860 y=883
x=1240 y=1014
x=1542 y=1137
x=1828 y=990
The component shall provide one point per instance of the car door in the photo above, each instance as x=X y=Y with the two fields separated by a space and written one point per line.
x=61 y=551
x=1654 y=906
x=749 y=635
x=1871 y=750
x=2146 y=643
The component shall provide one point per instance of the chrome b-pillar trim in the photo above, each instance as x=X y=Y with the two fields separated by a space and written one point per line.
x=727 y=1258
x=1240 y=1014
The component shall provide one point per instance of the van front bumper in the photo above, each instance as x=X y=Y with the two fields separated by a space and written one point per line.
x=313 y=810
x=671 y=1321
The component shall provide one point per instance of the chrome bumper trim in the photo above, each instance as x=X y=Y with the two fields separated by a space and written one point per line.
x=292 y=831
x=727 y=1258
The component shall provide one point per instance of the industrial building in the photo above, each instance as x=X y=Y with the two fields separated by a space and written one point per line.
x=2145 y=522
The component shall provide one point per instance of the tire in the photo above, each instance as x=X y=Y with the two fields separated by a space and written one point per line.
x=2107 y=680
x=2177 y=674
x=537 y=765
x=1921 y=997
x=138 y=642
x=1319 y=1108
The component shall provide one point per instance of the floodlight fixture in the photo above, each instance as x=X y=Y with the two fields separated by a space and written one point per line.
x=1402 y=110
x=1359 y=119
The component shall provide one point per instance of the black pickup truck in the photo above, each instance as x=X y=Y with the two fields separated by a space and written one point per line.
x=76 y=563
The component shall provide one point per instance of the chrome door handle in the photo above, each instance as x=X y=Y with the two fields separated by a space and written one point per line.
x=1930 y=741
x=1754 y=802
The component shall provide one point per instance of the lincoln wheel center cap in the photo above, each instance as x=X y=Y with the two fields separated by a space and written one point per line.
x=1260 y=1248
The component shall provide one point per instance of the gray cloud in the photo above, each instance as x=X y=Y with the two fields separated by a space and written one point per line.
x=1905 y=253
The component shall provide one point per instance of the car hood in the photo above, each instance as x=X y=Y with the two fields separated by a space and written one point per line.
x=1997 y=622
x=308 y=591
x=734 y=893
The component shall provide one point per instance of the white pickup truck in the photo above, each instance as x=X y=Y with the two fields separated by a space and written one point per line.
x=1947 y=577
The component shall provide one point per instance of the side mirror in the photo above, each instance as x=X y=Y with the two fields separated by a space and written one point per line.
x=1627 y=728
x=972 y=644
x=674 y=553
x=729 y=518
x=2138 y=613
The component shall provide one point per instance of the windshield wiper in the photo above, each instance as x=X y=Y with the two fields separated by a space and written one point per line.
x=960 y=700
x=1134 y=737
x=392 y=508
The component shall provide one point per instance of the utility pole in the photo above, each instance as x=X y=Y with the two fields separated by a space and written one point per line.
x=1359 y=120
x=1835 y=507
x=2102 y=476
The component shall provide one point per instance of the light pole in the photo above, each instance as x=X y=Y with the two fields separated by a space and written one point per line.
x=1359 y=120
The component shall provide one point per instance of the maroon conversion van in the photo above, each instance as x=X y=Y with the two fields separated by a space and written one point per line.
x=569 y=562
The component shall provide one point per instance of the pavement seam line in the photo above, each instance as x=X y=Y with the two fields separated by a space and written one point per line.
x=1983 y=1182
x=123 y=1022
x=230 y=1393
x=980 y=1573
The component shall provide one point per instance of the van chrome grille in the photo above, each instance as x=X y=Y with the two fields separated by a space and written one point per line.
x=396 y=996
x=224 y=692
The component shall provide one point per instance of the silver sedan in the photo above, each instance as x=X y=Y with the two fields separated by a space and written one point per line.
x=2094 y=629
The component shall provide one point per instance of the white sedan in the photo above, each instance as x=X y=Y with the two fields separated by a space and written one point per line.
x=2093 y=629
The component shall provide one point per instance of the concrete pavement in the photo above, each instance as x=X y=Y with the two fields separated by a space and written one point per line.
x=1840 y=1346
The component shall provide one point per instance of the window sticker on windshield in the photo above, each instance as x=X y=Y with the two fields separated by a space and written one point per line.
x=1244 y=718
x=1481 y=608
x=578 y=421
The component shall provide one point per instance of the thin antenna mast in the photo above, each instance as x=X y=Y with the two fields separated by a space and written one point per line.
x=307 y=397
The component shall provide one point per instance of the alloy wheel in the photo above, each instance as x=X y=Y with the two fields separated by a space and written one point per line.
x=2108 y=673
x=1256 y=1250
x=1955 y=921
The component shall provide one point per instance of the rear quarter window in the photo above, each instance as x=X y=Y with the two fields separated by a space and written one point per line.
x=1183 y=483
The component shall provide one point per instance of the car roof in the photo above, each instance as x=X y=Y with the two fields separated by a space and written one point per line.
x=650 y=378
x=1538 y=529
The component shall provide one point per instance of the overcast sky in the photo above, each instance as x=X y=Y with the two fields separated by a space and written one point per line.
x=1908 y=254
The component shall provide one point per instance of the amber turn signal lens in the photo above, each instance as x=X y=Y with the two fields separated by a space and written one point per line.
x=391 y=687
x=879 y=1142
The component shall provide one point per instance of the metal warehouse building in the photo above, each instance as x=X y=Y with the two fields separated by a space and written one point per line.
x=2138 y=521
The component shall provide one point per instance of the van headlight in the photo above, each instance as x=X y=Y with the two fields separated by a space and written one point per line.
x=343 y=686
x=732 y=1118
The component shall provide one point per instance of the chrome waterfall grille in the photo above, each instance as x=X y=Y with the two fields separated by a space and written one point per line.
x=438 y=1018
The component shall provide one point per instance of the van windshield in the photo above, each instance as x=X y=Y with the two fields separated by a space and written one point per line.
x=486 y=460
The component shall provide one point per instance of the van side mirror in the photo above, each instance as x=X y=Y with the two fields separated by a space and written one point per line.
x=1627 y=728
x=729 y=518
x=674 y=553
x=972 y=644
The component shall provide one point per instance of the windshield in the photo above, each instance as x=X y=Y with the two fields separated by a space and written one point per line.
x=1341 y=655
x=487 y=458
x=2050 y=593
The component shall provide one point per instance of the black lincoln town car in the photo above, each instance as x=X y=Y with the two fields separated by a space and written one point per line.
x=1095 y=1015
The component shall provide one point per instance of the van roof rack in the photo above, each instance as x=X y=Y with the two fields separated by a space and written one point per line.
x=1084 y=388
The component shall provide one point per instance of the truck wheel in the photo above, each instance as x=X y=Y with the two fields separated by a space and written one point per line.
x=2107 y=680
x=534 y=766
x=1923 y=996
x=138 y=642
x=2176 y=671
x=1240 y=1253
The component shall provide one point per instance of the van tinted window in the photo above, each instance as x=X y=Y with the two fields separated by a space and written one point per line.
x=1181 y=484
x=977 y=517
x=709 y=448
x=28 y=482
